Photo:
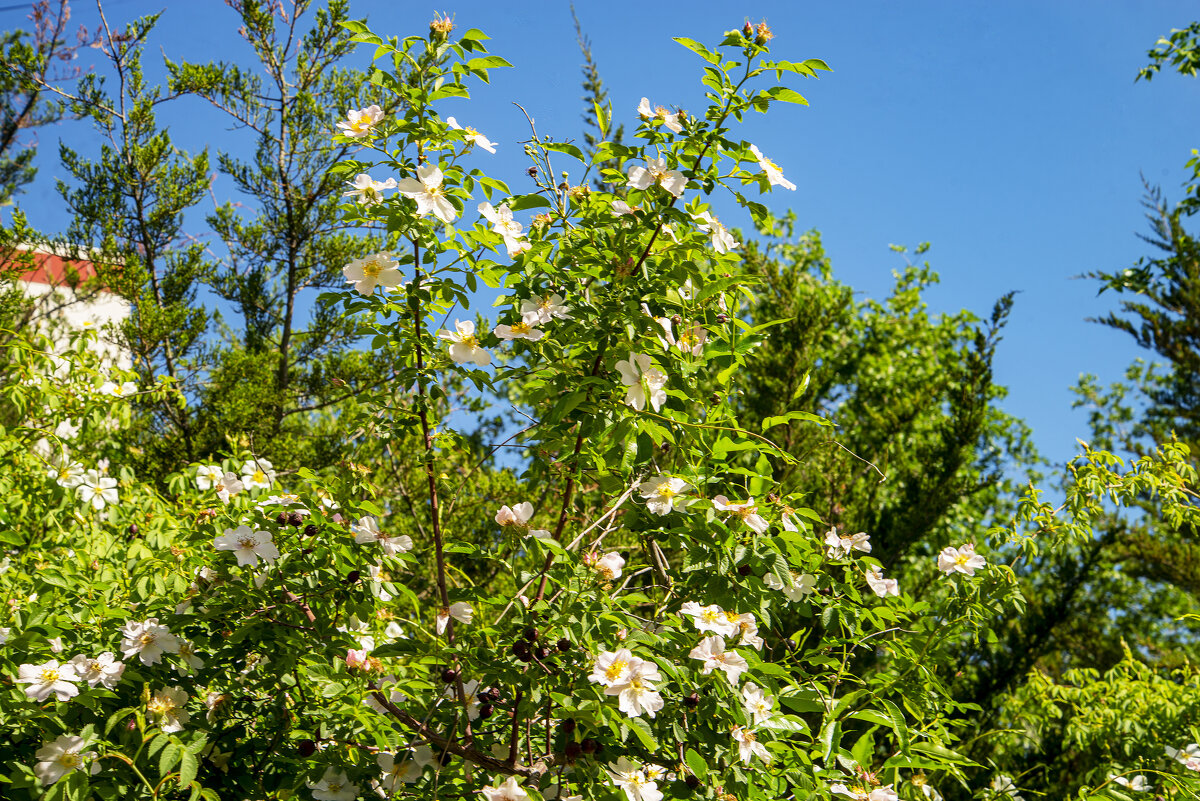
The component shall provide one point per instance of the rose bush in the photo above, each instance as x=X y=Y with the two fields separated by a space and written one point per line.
x=634 y=608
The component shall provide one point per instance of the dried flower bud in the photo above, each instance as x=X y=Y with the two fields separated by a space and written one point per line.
x=440 y=27
x=762 y=34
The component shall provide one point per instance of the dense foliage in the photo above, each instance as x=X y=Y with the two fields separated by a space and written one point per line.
x=687 y=518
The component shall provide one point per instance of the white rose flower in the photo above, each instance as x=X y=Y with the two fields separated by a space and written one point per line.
x=359 y=122
x=247 y=545
x=427 y=190
x=464 y=346
x=62 y=756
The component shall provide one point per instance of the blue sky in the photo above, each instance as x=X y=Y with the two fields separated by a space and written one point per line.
x=1009 y=135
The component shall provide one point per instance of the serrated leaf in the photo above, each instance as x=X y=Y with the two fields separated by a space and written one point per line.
x=188 y=767
x=168 y=759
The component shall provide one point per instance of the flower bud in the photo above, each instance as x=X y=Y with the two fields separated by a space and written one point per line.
x=762 y=34
x=748 y=30
x=281 y=519
x=440 y=27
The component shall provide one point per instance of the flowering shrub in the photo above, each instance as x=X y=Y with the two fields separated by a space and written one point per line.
x=638 y=610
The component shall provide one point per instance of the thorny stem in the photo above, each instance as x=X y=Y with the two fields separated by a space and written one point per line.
x=569 y=490
x=431 y=477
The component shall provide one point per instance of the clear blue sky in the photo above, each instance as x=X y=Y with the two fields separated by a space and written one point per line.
x=1009 y=135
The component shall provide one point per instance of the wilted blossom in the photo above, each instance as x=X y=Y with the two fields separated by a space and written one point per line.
x=460 y=611
x=881 y=586
x=517 y=519
x=669 y=120
x=104 y=670
x=774 y=174
x=840 y=545
x=609 y=566
x=167 y=709
x=749 y=746
x=711 y=652
x=473 y=136
x=228 y=486
x=544 y=308
x=149 y=640
x=722 y=239
x=746 y=512
x=367 y=531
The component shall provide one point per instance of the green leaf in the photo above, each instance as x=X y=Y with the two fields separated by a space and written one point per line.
x=564 y=147
x=785 y=95
x=696 y=764
x=698 y=49
x=487 y=63
x=829 y=739
x=771 y=422
x=522 y=202
x=898 y=725
x=188 y=767
x=642 y=729
x=169 y=757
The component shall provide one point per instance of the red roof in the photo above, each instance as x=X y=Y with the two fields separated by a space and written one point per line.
x=54 y=270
